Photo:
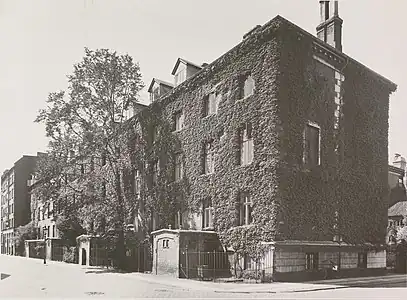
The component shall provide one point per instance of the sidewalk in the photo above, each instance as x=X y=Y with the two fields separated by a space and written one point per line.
x=188 y=284
x=218 y=287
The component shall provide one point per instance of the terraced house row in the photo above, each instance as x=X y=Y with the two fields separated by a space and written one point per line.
x=281 y=156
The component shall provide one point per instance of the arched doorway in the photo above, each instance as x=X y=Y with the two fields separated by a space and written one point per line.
x=83 y=257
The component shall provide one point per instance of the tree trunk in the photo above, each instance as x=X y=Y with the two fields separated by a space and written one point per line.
x=120 y=242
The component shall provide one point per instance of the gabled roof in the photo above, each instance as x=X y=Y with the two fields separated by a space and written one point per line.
x=398 y=209
x=185 y=62
x=159 y=82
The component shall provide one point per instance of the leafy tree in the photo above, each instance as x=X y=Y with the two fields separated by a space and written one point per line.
x=88 y=159
x=23 y=233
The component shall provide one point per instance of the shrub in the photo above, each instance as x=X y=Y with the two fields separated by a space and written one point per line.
x=70 y=255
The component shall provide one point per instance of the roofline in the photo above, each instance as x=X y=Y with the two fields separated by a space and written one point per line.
x=391 y=84
x=160 y=82
x=276 y=19
x=184 y=61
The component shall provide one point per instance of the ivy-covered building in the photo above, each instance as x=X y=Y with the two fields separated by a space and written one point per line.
x=283 y=141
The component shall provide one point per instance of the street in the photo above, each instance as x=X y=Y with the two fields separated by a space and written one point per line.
x=22 y=277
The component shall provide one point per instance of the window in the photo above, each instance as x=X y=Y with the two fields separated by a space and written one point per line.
x=311 y=261
x=137 y=184
x=181 y=75
x=207 y=220
x=211 y=103
x=246 y=145
x=178 y=170
x=178 y=121
x=312 y=141
x=49 y=210
x=245 y=209
x=362 y=260
x=156 y=93
x=178 y=220
x=155 y=170
x=208 y=158
x=247 y=88
x=166 y=244
x=155 y=134
x=53 y=231
x=247 y=262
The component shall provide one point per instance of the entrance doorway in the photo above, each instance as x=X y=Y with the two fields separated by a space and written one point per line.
x=83 y=257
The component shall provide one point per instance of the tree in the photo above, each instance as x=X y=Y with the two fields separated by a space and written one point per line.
x=23 y=233
x=85 y=125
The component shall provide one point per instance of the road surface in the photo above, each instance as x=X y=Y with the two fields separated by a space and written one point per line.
x=30 y=278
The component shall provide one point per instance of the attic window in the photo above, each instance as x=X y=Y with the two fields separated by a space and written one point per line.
x=181 y=74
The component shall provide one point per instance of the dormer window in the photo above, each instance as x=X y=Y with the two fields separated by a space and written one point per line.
x=158 y=88
x=181 y=74
x=184 y=69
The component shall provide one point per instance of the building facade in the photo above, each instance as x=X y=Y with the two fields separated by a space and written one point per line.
x=15 y=200
x=283 y=138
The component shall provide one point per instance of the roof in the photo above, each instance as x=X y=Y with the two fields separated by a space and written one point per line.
x=186 y=62
x=388 y=82
x=159 y=82
x=277 y=21
x=396 y=170
x=398 y=209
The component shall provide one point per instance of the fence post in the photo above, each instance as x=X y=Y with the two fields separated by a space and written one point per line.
x=214 y=264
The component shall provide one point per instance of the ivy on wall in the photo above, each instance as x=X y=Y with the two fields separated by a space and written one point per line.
x=289 y=201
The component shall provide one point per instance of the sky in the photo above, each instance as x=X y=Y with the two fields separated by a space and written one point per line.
x=41 y=40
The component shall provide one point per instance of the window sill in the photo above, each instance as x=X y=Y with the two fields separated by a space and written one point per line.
x=244 y=98
x=207 y=174
x=211 y=228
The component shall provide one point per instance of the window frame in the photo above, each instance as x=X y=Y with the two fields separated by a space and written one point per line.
x=305 y=156
x=246 y=144
x=179 y=120
x=208 y=157
x=207 y=214
x=245 y=209
x=243 y=85
x=178 y=167
x=311 y=261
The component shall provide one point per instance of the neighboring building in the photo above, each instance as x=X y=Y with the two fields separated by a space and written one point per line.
x=397 y=180
x=43 y=214
x=283 y=139
x=15 y=200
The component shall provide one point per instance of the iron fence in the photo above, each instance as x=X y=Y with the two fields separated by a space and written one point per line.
x=213 y=265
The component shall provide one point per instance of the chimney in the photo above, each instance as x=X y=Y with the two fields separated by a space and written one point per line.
x=330 y=28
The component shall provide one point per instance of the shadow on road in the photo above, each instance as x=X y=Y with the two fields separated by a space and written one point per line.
x=105 y=271
x=368 y=282
x=4 y=276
